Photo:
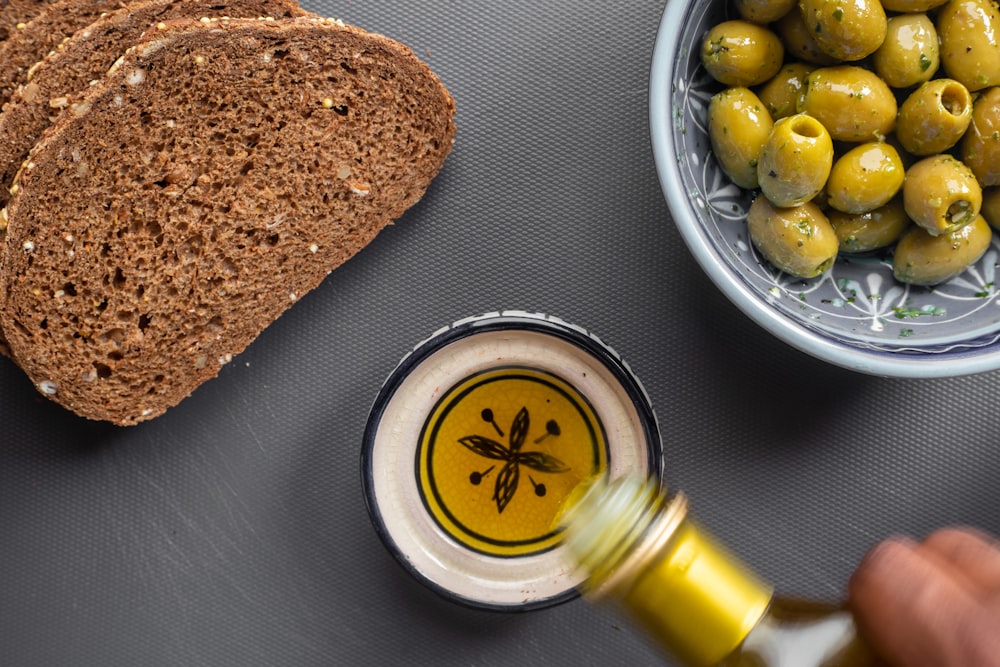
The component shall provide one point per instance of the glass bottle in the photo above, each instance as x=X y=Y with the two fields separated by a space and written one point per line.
x=639 y=549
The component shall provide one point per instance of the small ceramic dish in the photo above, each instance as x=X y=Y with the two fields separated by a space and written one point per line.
x=856 y=315
x=476 y=440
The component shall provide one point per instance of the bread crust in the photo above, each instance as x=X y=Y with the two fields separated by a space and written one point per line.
x=217 y=174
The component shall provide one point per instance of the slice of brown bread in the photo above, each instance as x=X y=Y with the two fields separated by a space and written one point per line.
x=30 y=43
x=217 y=173
x=15 y=12
x=54 y=83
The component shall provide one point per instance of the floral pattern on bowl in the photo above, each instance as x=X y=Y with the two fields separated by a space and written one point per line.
x=856 y=315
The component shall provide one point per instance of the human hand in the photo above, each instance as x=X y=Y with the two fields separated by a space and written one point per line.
x=935 y=603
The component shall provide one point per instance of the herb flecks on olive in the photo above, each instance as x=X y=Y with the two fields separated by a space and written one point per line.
x=872 y=230
x=798 y=39
x=941 y=194
x=845 y=30
x=909 y=55
x=851 y=102
x=795 y=161
x=865 y=178
x=924 y=259
x=981 y=143
x=799 y=240
x=934 y=117
x=783 y=93
x=740 y=53
x=738 y=127
x=970 y=51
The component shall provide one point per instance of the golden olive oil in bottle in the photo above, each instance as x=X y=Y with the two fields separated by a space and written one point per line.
x=696 y=600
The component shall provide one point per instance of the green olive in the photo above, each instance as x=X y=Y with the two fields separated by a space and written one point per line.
x=740 y=53
x=981 y=142
x=934 y=117
x=970 y=51
x=941 y=194
x=991 y=206
x=845 y=30
x=764 y=11
x=865 y=178
x=872 y=230
x=795 y=161
x=798 y=240
x=738 y=127
x=799 y=41
x=851 y=102
x=909 y=55
x=923 y=259
x=910 y=6
x=783 y=93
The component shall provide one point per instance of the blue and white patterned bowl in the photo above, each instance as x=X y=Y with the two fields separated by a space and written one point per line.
x=856 y=315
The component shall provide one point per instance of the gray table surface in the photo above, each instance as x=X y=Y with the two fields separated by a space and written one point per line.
x=232 y=530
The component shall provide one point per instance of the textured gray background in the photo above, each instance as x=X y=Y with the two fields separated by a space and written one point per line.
x=232 y=530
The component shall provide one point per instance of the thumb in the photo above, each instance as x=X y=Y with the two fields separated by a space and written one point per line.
x=912 y=610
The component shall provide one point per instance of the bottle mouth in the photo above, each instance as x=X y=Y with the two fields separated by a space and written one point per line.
x=611 y=527
x=601 y=520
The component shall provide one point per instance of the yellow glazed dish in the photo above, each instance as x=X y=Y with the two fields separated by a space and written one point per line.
x=476 y=440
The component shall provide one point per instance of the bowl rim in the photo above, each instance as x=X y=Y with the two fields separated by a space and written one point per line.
x=805 y=339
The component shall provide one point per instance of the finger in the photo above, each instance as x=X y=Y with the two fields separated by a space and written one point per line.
x=974 y=553
x=909 y=607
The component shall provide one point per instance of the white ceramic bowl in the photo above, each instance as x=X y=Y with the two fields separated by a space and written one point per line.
x=856 y=315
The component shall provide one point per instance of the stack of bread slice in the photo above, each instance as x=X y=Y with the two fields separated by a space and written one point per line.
x=175 y=177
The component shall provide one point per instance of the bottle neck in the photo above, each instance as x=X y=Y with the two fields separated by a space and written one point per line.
x=689 y=593
x=638 y=548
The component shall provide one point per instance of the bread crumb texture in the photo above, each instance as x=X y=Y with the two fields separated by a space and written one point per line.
x=214 y=177
x=14 y=13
